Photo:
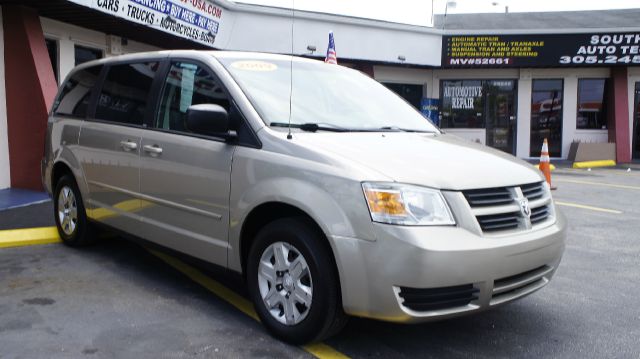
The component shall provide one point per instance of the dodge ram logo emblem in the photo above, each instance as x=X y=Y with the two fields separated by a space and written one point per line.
x=524 y=207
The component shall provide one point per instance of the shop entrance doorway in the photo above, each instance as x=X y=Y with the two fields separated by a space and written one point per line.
x=635 y=150
x=500 y=115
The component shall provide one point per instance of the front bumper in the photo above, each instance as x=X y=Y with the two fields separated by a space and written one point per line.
x=499 y=269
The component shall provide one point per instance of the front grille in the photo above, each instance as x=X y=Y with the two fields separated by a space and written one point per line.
x=539 y=214
x=428 y=299
x=488 y=197
x=533 y=191
x=517 y=285
x=498 y=209
x=502 y=221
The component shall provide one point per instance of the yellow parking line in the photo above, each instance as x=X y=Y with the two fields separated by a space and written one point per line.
x=576 y=205
x=598 y=184
x=323 y=351
x=46 y=235
x=319 y=350
x=211 y=285
x=28 y=236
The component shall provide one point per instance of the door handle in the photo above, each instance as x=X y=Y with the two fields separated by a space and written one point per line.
x=128 y=145
x=154 y=150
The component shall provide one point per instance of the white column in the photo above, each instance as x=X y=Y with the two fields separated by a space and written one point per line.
x=67 y=57
x=569 y=112
x=5 y=174
x=523 y=136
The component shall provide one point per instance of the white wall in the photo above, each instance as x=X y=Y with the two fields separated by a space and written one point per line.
x=5 y=175
x=70 y=35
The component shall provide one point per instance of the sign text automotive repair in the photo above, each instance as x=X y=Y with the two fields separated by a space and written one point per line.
x=544 y=50
x=197 y=20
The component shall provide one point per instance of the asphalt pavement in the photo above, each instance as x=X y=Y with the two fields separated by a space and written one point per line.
x=116 y=299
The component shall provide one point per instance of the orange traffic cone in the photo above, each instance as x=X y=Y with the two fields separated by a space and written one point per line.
x=545 y=163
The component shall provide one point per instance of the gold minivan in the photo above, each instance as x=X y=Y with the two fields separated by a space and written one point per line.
x=329 y=193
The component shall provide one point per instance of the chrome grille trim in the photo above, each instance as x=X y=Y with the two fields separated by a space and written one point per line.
x=488 y=197
x=533 y=190
x=498 y=211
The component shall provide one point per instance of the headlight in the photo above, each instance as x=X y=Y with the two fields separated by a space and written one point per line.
x=406 y=205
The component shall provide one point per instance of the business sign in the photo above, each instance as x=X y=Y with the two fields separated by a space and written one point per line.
x=429 y=107
x=462 y=97
x=197 y=20
x=544 y=50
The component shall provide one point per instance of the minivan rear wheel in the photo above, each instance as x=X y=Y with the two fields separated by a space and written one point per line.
x=293 y=282
x=71 y=219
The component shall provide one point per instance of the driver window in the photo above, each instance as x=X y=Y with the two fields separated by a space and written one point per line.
x=187 y=84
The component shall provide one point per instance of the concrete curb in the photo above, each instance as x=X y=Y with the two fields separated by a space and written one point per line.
x=28 y=237
x=591 y=164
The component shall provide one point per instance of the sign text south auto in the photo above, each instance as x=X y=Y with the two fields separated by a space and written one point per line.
x=527 y=50
x=197 y=20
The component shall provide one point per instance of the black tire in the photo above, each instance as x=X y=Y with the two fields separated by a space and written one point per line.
x=325 y=316
x=82 y=233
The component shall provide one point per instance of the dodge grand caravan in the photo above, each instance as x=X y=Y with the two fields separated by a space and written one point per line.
x=329 y=193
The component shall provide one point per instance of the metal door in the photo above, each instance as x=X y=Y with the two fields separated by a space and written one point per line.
x=184 y=176
x=500 y=115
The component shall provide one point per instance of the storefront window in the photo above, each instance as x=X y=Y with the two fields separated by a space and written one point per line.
x=84 y=54
x=52 y=49
x=591 y=104
x=411 y=93
x=546 y=116
x=462 y=104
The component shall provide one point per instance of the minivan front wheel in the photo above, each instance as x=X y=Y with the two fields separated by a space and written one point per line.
x=293 y=282
x=71 y=220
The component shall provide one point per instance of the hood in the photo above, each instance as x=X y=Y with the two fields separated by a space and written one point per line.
x=439 y=161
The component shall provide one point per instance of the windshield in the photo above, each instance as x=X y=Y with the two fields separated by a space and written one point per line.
x=329 y=96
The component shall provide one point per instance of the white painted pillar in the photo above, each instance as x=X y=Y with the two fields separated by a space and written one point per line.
x=67 y=60
x=569 y=112
x=5 y=174
x=523 y=136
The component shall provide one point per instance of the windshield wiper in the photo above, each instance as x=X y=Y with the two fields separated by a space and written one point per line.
x=399 y=129
x=311 y=127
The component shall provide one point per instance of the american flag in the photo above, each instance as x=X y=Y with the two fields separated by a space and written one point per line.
x=331 y=58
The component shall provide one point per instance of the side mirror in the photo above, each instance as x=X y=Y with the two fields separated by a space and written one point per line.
x=208 y=119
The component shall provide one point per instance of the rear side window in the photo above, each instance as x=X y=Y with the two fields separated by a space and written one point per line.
x=74 y=96
x=125 y=93
x=187 y=84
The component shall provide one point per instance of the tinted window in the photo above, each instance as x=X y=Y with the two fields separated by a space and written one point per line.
x=591 y=104
x=74 y=95
x=546 y=116
x=83 y=54
x=187 y=84
x=411 y=93
x=125 y=92
x=52 y=49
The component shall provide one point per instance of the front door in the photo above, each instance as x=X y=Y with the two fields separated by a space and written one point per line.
x=185 y=176
x=500 y=115
x=636 y=124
